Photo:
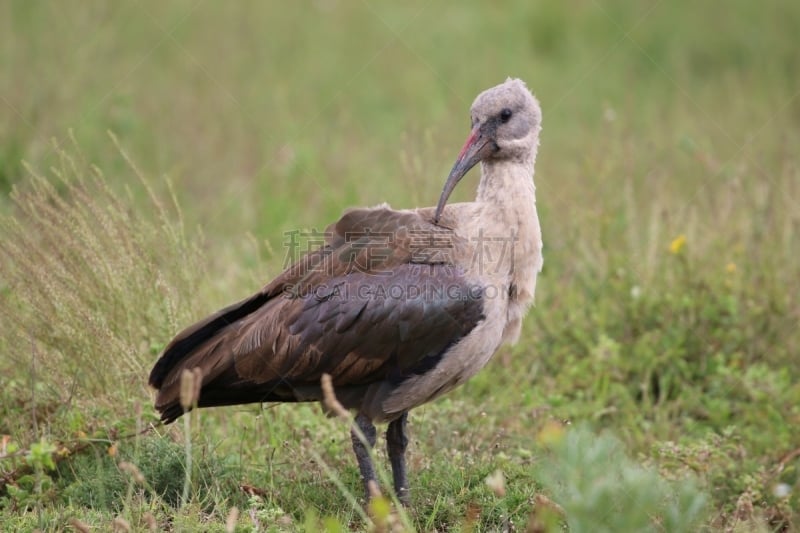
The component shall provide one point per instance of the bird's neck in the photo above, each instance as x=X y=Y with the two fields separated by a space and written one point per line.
x=507 y=183
x=507 y=197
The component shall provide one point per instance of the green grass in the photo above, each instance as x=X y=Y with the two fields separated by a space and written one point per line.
x=665 y=329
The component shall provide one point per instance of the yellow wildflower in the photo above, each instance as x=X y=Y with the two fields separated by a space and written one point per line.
x=551 y=434
x=730 y=268
x=677 y=244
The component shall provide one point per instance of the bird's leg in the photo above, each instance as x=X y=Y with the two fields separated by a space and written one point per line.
x=396 y=442
x=362 y=449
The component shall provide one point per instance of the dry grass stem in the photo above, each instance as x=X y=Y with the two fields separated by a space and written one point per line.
x=331 y=403
x=132 y=470
x=231 y=519
x=78 y=525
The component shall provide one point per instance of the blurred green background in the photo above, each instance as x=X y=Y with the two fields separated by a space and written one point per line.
x=668 y=184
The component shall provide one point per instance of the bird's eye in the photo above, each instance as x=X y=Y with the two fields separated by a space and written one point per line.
x=505 y=115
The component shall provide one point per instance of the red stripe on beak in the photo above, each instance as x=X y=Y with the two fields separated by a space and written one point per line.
x=471 y=139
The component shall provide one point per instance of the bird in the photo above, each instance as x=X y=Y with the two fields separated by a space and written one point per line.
x=397 y=307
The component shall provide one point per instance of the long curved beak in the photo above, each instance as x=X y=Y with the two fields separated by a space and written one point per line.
x=477 y=147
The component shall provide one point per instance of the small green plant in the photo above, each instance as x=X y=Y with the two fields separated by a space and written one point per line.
x=31 y=490
x=600 y=489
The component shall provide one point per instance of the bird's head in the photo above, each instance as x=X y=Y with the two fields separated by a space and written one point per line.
x=506 y=120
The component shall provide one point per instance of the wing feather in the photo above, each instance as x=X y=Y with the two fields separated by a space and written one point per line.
x=369 y=305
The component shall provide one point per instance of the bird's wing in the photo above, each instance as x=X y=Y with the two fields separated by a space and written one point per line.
x=381 y=300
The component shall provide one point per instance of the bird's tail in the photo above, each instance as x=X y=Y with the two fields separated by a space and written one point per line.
x=198 y=347
x=225 y=387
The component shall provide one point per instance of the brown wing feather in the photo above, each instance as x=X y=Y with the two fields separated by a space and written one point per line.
x=372 y=304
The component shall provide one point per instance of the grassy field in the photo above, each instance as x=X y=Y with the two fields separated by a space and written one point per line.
x=154 y=155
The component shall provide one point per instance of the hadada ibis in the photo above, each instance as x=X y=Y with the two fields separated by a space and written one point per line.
x=398 y=306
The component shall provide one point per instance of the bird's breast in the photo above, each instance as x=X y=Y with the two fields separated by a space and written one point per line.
x=459 y=363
